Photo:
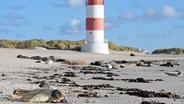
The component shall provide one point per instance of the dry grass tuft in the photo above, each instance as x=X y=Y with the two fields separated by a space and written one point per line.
x=76 y=62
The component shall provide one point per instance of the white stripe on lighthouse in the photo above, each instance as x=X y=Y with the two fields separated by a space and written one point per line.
x=95 y=36
x=96 y=11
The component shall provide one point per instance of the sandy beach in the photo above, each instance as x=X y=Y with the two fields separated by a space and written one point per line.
x=26 y=74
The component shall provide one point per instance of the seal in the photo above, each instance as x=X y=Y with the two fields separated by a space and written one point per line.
x=37 y=95
x=175 y=73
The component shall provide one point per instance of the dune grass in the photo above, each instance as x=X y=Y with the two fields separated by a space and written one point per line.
x=75 y=45
x=56 y=44
x=169 y=51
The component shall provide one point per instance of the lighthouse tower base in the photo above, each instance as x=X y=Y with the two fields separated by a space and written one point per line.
x=102 y=48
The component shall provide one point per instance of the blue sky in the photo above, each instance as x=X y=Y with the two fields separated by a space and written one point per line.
x=145 y=24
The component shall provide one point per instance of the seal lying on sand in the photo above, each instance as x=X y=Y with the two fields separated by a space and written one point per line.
x=175 y=73
x=37 y=95
x=42 y=95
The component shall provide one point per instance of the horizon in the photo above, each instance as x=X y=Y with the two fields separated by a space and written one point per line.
x=147 y=25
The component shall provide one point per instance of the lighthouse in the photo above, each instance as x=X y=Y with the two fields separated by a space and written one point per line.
x=95 y=42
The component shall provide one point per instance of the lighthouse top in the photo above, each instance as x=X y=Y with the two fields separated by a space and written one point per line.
x=94 y=2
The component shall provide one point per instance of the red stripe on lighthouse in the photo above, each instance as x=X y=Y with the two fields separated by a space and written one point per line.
x=94 y=24
x=95 y=2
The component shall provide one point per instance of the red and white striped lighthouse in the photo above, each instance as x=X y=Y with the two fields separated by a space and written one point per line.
x=95 y=28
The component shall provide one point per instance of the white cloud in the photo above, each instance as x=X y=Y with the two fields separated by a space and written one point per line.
x=108 y=25
x=169 y=11
x=127 y=16
x=153 y=14
x=74 y=26
x=148 y=35
x=150 y=12
x=150 y=15
x=75 y=3
x=111 y=22
x=12 y=19
x=70 y=3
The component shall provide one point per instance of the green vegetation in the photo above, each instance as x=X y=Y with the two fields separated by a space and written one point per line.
x=169 y=51
x=56 y=44
x=22 y=44
x=8 y=44
x=121 y=48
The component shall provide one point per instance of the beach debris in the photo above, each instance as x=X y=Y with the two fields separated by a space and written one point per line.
x=64 y=83
x=133 y=91
x=114 y=65
x=60 y=60
x=46 y=60
x=159 y=80
x=36 y=57
x=120 y=61
x=75 y=62
x=65 y=80
x=132 y=54
x=103 y=78
x=69 y=74
x=143 y=63
x=122 y=66
x=109 y=74
x=167 y=64
x=3 y=75
x=55 y=76
x=89 y=95
x=49 y=61
x=50 y=77
x=176 y=64
x=137 y=80
x=100 y=86
x=151 y=102
x=29 y=79
x=44 y=84
x=92 y=68
x=175 y=73
x=98 y=63
x=148 y=94
x=109 y=66
x=40 y=61
x=146 y=61
x=53 y=58
x=23 y=57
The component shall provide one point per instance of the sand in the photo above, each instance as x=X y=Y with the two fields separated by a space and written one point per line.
x=18 y=73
